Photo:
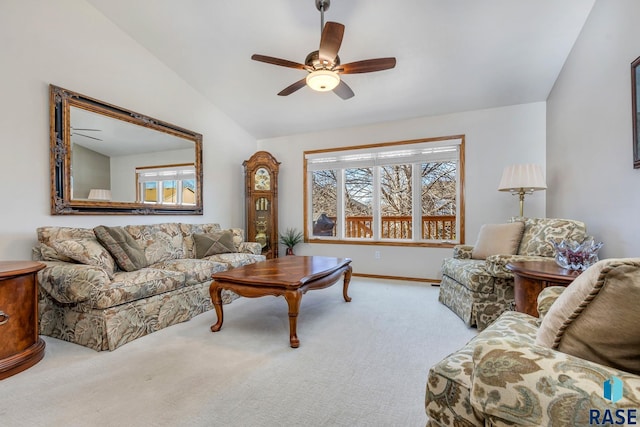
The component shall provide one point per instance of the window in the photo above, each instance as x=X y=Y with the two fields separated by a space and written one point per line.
x=169 y=185
x=402 y=193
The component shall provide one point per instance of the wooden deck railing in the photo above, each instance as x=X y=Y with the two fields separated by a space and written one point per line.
x=434 y=227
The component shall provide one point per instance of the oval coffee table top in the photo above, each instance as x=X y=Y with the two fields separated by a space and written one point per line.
x=289 y=271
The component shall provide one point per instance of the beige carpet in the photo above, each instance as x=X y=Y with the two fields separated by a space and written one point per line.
x=362 y=363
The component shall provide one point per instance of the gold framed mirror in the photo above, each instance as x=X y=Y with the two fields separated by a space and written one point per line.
x=107 y=160
x=635 y=94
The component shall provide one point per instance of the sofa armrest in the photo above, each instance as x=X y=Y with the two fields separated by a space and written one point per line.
x=496 y=265
x=71 y=283
x=462 y=251
x=518 y=382
x=254 y=248
x=547 y=297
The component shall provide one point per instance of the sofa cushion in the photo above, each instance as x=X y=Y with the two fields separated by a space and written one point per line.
x=195 y=270
x=86 y=251
x=538 y=232
x=235 y=260
x=471 y=273
x=596 y=318
x=128 y=286
x=449 y=382
x=238 y=237
x=496 y=239
x=160 y=241
x=220 y=242
x=125 y=250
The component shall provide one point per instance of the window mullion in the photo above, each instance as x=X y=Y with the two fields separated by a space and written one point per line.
x=377 y=214
x=340 y=187
x=416 y=198
x=179 y=192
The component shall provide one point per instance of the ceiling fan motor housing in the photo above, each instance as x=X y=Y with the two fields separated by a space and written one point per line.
x=313 y=60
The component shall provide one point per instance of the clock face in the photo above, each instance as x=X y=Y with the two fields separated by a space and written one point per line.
x=262 y=179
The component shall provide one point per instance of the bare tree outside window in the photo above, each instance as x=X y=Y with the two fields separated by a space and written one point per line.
x=358 y=202
x=439 y=199
x=324 y=202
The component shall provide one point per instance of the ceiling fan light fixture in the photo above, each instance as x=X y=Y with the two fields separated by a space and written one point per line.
x=323 y=80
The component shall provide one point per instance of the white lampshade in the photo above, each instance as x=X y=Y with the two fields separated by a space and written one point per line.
x=323 y=80
x=526 y=177
x=99 y=194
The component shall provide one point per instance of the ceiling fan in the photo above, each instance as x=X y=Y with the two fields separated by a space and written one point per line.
x=323 y=65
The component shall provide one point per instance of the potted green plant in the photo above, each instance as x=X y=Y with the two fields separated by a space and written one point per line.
x=290 y=238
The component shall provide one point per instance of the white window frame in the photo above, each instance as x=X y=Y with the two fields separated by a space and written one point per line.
x=162 y=174
x=414 y=152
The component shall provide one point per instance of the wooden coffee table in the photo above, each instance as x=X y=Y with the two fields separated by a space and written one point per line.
x=290 y=276
x=531 y=277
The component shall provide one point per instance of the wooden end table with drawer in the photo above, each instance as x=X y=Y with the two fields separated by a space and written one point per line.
x=531 y=277
x=20 y=344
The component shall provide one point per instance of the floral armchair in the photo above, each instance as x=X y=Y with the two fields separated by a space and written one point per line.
x=478 y=287
x=551 y=370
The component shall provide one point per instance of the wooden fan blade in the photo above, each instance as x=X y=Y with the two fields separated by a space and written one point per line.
x=367 y=66
x=343 y=90
x=278 y=61
x=292 y=88
x=330 y=41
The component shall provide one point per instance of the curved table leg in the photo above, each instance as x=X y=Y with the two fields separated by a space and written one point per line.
x=293 y=300
x=216 y=297
x=345 y=287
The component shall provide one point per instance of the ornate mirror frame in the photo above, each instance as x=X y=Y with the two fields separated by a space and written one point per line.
x=635 y=93
x=62 y=201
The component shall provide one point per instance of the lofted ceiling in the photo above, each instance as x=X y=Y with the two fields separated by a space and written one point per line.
x=452 y=55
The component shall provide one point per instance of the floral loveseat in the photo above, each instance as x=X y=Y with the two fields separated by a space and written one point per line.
x=480 y=288
x=552 y=370
x=87 y=297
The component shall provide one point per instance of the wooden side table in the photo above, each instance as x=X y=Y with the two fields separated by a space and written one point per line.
x=21 y=345
x=531 y=277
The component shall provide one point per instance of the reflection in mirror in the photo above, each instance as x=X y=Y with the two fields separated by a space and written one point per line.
x=109 y=160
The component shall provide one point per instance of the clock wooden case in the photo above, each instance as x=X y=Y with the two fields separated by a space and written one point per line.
x=261 y=189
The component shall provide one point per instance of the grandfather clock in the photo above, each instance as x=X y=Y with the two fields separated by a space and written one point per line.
x=261 y=181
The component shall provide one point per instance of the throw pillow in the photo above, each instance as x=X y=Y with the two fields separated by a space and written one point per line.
x=596 y=317
x=125 y=250
x=86 y=251
x=498 y=239
x=220 y=242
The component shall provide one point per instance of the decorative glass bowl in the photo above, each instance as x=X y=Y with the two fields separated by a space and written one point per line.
x=574 y=255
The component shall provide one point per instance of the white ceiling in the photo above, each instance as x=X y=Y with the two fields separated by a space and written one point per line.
x=452 y=55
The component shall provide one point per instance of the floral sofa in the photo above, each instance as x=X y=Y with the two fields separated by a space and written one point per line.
x=480 y=288
x=551 y=370
x=101 y=297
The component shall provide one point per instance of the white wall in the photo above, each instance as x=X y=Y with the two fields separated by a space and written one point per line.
x=495 y=138
x=589 y=137
x=70 y=44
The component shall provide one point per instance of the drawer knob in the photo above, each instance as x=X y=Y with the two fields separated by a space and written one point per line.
x=4 y=317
